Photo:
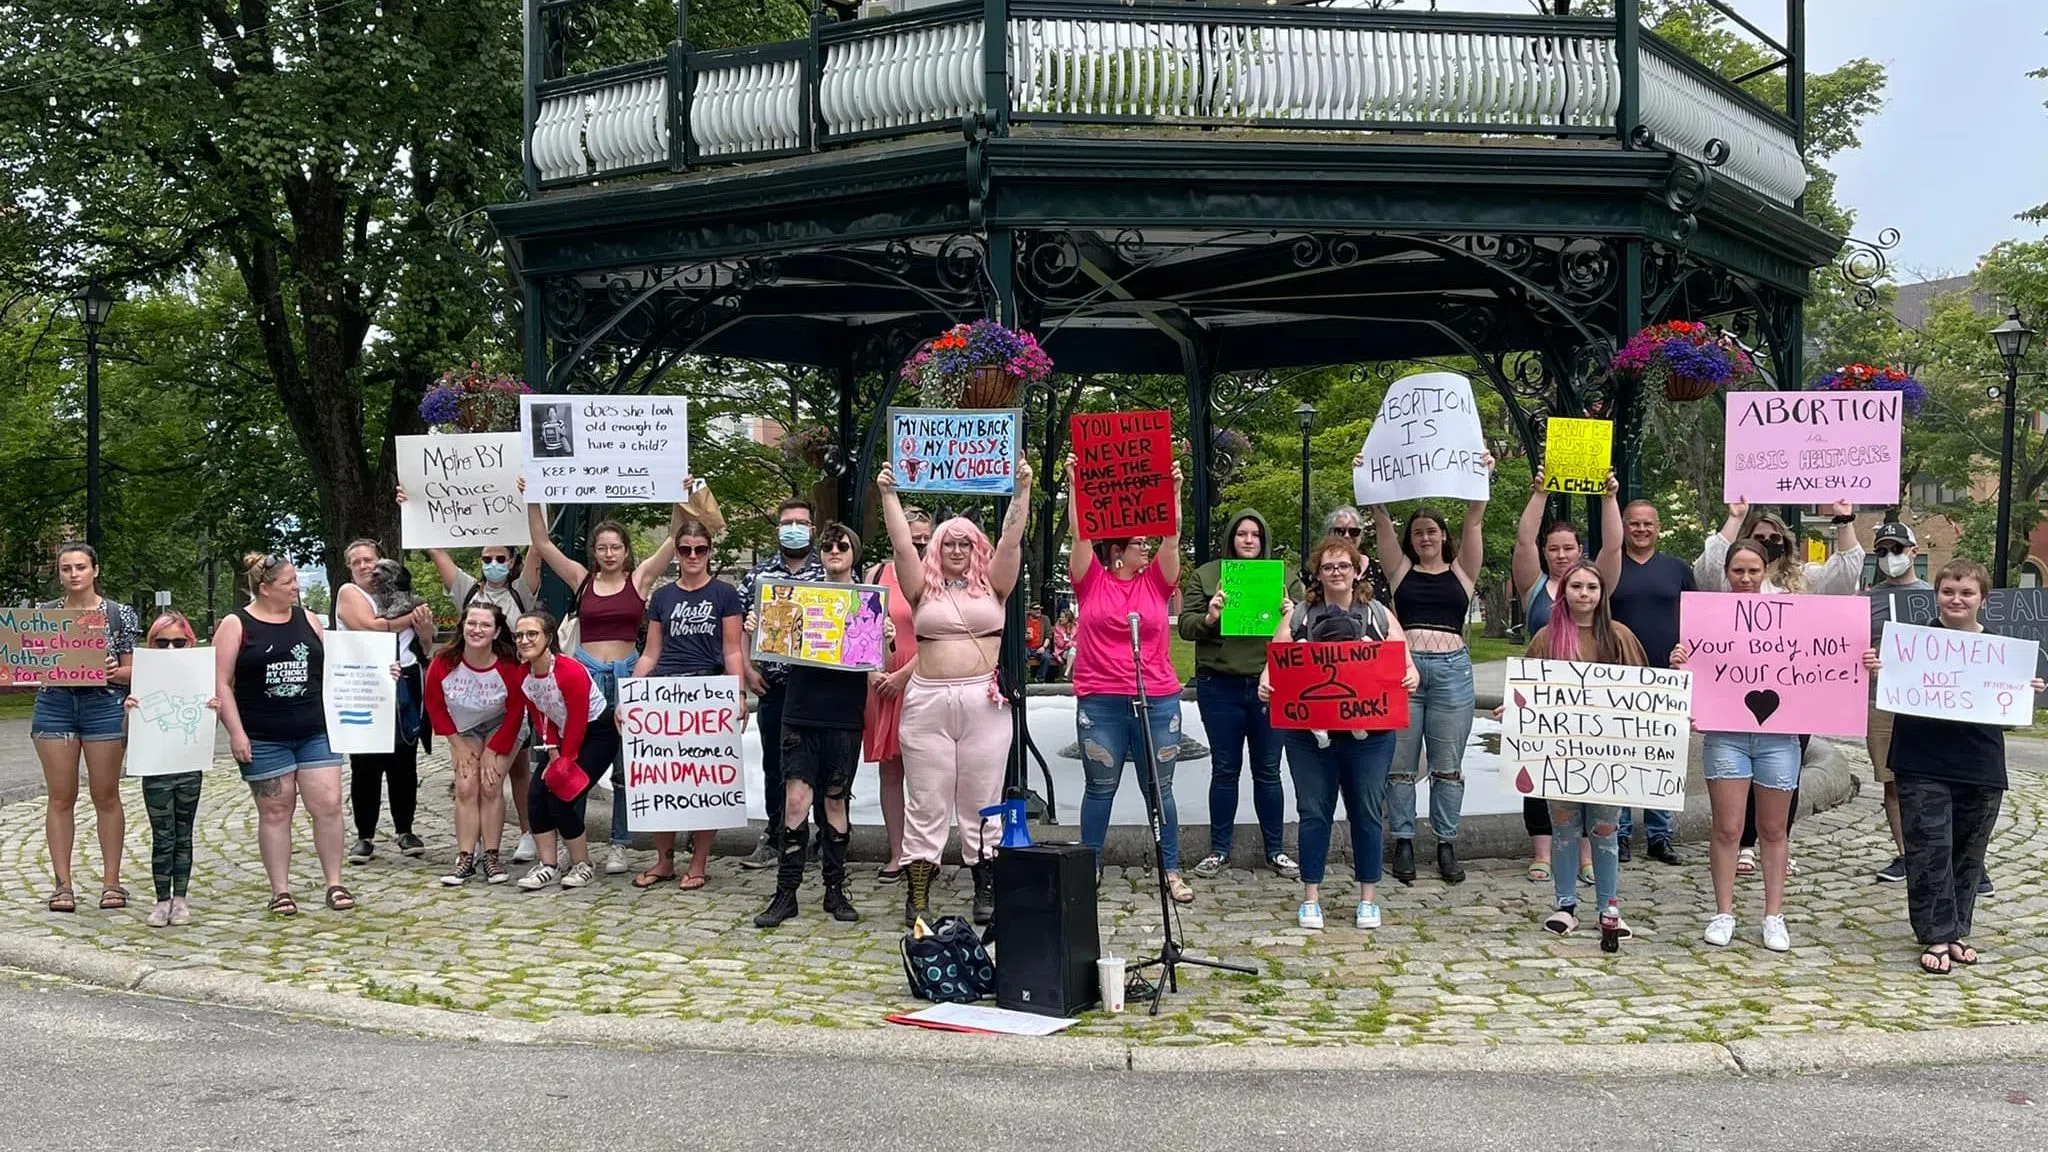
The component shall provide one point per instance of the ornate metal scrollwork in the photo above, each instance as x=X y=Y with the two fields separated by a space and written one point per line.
x=1047 y=262
x=563 y=307
x=1587 y=271
x=1863 y=264
x=961 y=264
x=1130 y=246
x=1338 y=251
x=572 y=27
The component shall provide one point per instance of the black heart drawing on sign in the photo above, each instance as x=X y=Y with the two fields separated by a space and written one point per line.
x=1761 y=704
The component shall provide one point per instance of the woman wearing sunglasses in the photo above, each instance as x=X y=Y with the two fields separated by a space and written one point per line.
x=171 y=799
x=693 y=629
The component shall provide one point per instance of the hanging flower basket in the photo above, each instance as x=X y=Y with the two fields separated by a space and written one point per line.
x=978 y=365
x=1690 y=361
x=1870 y=378
x=471 y=400
x=812 y=445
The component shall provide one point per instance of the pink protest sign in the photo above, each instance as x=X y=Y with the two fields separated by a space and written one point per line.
x=1812 y=448
x=1766 y=663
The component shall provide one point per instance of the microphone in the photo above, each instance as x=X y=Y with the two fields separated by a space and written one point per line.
x=1133 y=620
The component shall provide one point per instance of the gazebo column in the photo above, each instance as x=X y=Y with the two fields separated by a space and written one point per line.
x=570 y=526
x=1628 y=404
x=1002 y=276
x=1199 y=368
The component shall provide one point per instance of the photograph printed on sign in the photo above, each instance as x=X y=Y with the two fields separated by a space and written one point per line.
x=680 y=736
x=1812 y=447
x=1597 y=733
x=827 y=625
x=605 y=449
x=972 y=451
x=1766 y=662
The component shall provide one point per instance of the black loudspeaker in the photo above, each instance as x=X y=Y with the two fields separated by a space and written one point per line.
x=1046 y=939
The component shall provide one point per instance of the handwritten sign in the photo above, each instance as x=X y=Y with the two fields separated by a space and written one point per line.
x=681 y=736
x=1252 y=591
x=53 y=647
x=1350 y=686
x=1975 y=676
x=461 y=491
x=827 y=625
x=605 y=449
x=1788 y=664
x=1123 y=474
x=1597 y=733
x=1424 y=442
x=357 y=691
x=1576 y=455
x=955 y=450
x=1812 y=447
x=2017 y=612
x=170 y=728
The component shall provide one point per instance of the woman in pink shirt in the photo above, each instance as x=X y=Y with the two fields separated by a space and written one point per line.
x=1112 y=579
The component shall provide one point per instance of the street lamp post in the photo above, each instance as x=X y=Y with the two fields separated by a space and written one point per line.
x=94 y=305
x=2011 y=337
x=1305 y=413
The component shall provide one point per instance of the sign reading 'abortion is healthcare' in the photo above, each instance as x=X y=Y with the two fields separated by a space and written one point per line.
x=1426 y=441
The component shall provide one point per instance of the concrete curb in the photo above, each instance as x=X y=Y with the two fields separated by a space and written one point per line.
x=1778 y=1055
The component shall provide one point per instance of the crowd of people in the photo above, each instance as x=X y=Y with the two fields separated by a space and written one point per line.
x=520 y=697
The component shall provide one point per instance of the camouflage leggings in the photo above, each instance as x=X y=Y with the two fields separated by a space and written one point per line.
x=172 y=803
x=1947 y=827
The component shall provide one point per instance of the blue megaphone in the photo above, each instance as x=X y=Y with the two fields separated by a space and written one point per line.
x=1016 y=829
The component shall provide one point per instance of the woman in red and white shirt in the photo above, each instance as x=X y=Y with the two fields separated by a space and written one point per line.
x=473 y=700
x=567 y=711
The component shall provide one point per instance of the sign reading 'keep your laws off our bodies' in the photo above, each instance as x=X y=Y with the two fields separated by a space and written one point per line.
x=1597 y=733
x=1426 y=441
x=1812 y=447
x=605 y=449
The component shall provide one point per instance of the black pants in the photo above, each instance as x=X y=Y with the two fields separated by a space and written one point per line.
x=1749 y=818
x=173 y=805
x=769 y=716
x=1536 y=817
x=367 y=775
x=547 y=812
x=1947 y=828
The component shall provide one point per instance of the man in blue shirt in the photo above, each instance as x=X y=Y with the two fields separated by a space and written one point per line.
x=1646 y=601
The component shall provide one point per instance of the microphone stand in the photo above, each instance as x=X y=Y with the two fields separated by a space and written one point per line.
x=1171 y=954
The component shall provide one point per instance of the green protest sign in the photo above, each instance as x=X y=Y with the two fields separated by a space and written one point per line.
x=1252 y=591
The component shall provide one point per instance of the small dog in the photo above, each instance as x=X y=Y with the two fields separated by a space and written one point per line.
x=391 y=590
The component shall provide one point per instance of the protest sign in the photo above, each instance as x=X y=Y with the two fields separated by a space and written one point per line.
x=681 y=736
x=461 y=491
x=53 y=647
x=1252 y=591
x=1424 y=442
x=1597 y=733
x=1954 y=675
x=1348 y=686
x=1123 y=474
x=171 y=729
x=2016 y=612
x=1769 y=663
x=605 y=449
x=828 y=625
x=1812 y=447
x=1576 y=455
x=357 y=691
x=955 y=449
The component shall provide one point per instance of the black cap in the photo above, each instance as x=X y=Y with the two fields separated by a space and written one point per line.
x=1893 y=532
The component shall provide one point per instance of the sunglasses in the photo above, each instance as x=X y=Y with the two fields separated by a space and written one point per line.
x=1771 y=539
x=1891 y=549
x=1354 y=533
x=693 y=549
x=836 y=546
x=170 y=643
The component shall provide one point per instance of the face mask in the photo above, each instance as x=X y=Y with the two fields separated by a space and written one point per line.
x=1895 y=564
x=1774 y=550
x=495 y=572
x=794 y=537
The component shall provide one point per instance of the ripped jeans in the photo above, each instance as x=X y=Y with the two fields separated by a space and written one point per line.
x=1109 y=736
x=1568 y=821
x=1439 y=724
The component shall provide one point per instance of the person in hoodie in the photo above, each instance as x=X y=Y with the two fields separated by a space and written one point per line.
x=1227 y=672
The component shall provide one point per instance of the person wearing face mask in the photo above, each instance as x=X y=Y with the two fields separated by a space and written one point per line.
x=1645 y=601
x=1896 y=548
x=795 y=559
x=882 y=742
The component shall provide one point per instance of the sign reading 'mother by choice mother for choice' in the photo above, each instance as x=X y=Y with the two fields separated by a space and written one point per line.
x=1771 y=663
x=461 y=490
x=1812 y=447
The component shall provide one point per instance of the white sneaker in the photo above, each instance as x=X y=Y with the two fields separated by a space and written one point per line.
x=1368 y=914
x=1309 y=915
x=614 y=861
x=539 y=877
x=1776 y=938
x=160 y=916
x=578 y=875
x=1211 y=864
x=525 y=853
x=1720 y=930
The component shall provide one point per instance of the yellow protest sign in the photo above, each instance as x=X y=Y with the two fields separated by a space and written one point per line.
x=1577 y=455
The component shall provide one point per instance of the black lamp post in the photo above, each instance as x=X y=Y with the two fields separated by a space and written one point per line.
x=95 y=303
x=1305 y=413
x=2012 y=337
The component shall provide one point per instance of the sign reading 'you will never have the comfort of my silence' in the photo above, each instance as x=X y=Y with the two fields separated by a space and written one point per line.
x=461 y=490
x=1123 y=474
x=966 y=450
x=1597 y=733
x=1426 y=441
x=1812 y=447
x=1767 y=663
x=681 y=736
x=605 y=449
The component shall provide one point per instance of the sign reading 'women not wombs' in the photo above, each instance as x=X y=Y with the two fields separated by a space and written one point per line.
x=1597 y=733
x=1955 y=675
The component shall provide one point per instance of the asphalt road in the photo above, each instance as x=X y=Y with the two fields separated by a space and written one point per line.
x=90 y=1070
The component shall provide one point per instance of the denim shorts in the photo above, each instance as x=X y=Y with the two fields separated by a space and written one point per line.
x=1768 y=758
x=271 y=759
x=86 y=714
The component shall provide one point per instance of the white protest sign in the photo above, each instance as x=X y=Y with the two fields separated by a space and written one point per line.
x=171 y=729
x=357 y=691
x=1954 y=675
x=605 y=449
x=1426 y=441
x=461 y=491
x=682 y=745
x=1597 y=733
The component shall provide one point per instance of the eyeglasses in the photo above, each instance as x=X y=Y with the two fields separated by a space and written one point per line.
x=529 y=635
x=836 y=546
x=1337 y=569
x=693 y=549
x=803 y=520
x=958 y=543
x=160 y=643
x=1354 y=532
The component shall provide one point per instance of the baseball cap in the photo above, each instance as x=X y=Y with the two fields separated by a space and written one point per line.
x=1893 y=532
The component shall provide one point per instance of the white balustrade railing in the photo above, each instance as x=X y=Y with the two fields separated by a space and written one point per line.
x=611 y=128
x=751 y=106
x=1686 y=112
x=558 y=137
x=1256 y=71
x=916 y=75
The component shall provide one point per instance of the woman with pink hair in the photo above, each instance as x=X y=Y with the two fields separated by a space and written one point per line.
x=954 y=732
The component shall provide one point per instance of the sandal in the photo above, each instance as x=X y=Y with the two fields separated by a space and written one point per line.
x=282 y=904
x=340 y=899
x=113 y=898
x=690 y=882
x=61 y=899
x=1563 y=922
x=1539 y=872
x=1586 y=874
x=1963 y=954
x=1179 y=890
x=1934 y=961
x=1745 y=862
x=650 y=878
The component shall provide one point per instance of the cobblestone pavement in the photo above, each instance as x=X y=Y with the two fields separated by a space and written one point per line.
x=1466 y=964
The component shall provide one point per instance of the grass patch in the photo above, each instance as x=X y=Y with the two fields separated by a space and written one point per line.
x=407 y=995
x=16 y=705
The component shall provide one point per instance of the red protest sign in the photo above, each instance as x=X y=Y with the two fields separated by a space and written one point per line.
x=1351 y=686
x=1123 y=474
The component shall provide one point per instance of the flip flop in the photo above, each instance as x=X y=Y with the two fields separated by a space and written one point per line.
x=1963 y=954
x=650 y=878
x=1539 y=873
x=1938 y=954
x=690 y=882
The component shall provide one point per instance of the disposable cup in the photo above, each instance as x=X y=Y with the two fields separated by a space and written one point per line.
x=1109 y=976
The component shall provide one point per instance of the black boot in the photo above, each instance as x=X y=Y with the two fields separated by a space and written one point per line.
x=832 y=859
x=917 y=895
x=984 y=891
x=1404 y=861
x=789 y=876
x=1447 y=862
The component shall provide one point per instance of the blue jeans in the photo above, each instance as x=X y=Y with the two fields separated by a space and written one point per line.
x=1439 y=721
x=1233 y=716
x=1355 y=767
x=1656 y=824
x=607 y=677
x=1568 y=821
x=90 y=715
x=1108 y=733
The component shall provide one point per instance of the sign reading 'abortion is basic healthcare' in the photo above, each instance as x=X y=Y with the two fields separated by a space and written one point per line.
x=1812 y=447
